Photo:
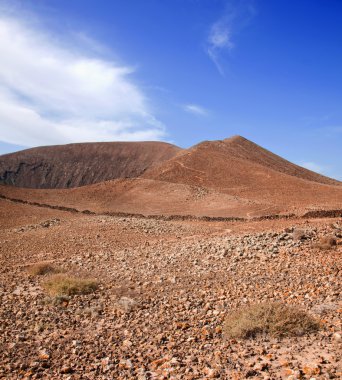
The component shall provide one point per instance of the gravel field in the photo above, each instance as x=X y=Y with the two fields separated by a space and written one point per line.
x=164 y=291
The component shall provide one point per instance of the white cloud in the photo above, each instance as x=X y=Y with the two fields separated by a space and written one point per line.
x=235 y=16
x=313 y=166
x=326 y=170
x=195 y=109
x=50 y=92
x=219 y=39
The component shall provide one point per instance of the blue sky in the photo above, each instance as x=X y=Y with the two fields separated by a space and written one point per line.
x=181 y=71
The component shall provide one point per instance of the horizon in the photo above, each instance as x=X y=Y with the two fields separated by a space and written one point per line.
x=179 y=72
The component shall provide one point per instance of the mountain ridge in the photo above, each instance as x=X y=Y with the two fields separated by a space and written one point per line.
x=234 y=150
x=73 y=165
x=231 y=177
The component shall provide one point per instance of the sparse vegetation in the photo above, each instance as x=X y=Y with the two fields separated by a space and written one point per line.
x=41 y=269
x=126 y=304
x=298 y=234
x=65 y=284
x=326 y=242
x=275 y=319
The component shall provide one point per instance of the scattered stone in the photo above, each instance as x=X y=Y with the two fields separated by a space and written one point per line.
x=165 y=289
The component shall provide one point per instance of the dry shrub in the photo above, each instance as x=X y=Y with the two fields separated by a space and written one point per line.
x=299 y=234
x=275 y=319
x=126 y=304
x=40 y=269
x=326 y=242
x=64 y=284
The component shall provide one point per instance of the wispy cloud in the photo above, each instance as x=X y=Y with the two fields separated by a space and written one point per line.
x=327 y=170
x=314 y=167
x=316 y=120
x=332 y=130
x=52 y=92
x=195 y=109
x=235 y=16
x=219 y=39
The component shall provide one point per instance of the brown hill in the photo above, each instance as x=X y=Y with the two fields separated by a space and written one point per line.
x=233 y=177
x=227 y=162
x=239 y=167
x=72 y=165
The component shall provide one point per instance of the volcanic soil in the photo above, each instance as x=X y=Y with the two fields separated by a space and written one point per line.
x=162 y=254
x=72 y=165
x=229 y=178
x=164 y=291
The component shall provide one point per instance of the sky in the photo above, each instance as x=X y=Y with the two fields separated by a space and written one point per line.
x=180 y=71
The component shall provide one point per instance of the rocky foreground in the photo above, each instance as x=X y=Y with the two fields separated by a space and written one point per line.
x=164 y=291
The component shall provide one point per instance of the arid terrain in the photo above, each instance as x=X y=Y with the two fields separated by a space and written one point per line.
x=229 y=178
x=72 y=165
x=164 y=253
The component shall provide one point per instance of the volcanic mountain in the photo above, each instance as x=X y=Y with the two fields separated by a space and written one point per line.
x=239 y=167
x=231 y=177
x=228 y=163
x=72 y=165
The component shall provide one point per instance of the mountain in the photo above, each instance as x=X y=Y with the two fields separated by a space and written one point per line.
x=232 y=177
x=238 y=167
x=228 y=163
x=72 y=165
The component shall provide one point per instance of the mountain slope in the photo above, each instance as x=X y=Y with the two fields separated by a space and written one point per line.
x=232 y=177
x=241 y=168
x=143 y=196
x=214 y=162
x=73 y=165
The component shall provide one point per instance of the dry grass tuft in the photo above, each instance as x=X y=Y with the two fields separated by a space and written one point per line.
x=326 y=242
x=299 y=234
x=275 y=319
x=40 y=269
x=64 y=284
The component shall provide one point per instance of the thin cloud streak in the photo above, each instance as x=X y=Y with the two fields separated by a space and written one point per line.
x=52 y=94
x=235 y=17
x=326 y=170
x=219 y=39
x=313 y=167
x=195 y=109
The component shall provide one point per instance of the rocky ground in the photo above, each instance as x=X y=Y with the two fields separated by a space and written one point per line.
x=164 y=291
